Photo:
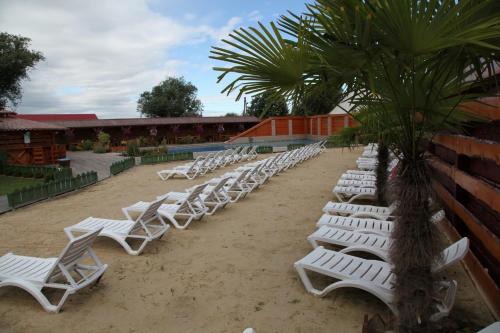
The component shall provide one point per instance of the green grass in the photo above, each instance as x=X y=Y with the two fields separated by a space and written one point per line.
x=9 y=184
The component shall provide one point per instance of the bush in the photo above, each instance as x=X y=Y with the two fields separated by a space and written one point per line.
x=87 y=145
x=104 y=138
x=133 y=148
x=99 y=148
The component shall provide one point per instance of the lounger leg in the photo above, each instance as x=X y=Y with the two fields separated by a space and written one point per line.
x=307 y=282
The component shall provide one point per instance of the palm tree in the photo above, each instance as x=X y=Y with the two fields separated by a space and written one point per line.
x=411 y=62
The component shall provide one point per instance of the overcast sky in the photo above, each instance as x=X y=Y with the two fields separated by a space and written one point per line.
x=101 y=55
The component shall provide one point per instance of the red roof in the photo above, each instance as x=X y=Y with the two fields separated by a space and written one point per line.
x=58 y=116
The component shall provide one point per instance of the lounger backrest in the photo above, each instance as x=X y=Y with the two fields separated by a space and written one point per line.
x=73 y=252
x=195 y=163
x=452 y=254
x=243 y=175
x=253 y=150
x=195 y=194
x=220 y=184
x=150 y=212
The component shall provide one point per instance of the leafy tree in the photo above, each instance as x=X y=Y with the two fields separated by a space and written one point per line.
x=411 y=62
x=173 y=97
x=16 y=59
x=267 y=105
x=321 y=99
x=232 y=114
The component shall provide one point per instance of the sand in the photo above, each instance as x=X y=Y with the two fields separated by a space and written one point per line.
x=227 y=272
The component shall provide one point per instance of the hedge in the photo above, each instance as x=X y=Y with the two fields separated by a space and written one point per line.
x=295 y=146
x=153 y=159
x=122 y=165
x=30 y=171
x=32 y=194
x=264 y=149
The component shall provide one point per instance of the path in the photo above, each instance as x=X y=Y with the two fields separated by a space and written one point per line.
x=84 y=161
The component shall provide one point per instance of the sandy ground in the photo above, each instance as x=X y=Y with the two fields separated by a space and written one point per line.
x=227 y=272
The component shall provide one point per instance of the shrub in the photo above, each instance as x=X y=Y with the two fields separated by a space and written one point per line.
x=87 y=144
x=99 y=148
x=104 y=138
x=133 y=148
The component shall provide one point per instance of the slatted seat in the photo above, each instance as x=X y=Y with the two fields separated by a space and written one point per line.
x=376 y=277
x=147 y=227
x=354 y=210
x=67 y=272
x=380 y=227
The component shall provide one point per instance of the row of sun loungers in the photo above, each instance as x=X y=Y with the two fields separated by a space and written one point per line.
x=353 y=228
x=78 y=266
x=203 y=164
x=360 y=184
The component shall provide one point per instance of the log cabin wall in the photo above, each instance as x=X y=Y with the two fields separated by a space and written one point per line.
x=41 y=149
x=466 y=177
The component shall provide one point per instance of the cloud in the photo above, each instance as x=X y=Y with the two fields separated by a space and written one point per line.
x=100 y=55
x=255 y=16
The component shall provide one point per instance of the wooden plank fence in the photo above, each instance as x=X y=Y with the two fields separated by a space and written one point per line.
x=36 y=193
x=466 y=177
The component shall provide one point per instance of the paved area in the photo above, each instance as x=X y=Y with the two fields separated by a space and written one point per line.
x=4 y=204
x=84 y=161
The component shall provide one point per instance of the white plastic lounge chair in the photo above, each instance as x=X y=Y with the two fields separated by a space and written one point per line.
x=350 y=176
x=189 y=171
x=365 y=225
x=213 y=196
x=373 y=276
x=237 y=187
x=250 y=154
x=66 y=272
x=147 y=227
x=356 y=183
x=354 y=210
x=191 y=208
x=350 y=193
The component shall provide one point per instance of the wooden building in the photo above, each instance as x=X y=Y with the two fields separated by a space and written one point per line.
x=169 y=130
x=28 y=142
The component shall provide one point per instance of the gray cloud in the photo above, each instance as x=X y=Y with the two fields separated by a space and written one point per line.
x=100 y=55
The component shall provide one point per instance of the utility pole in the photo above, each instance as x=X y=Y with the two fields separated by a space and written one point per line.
x=244 y=106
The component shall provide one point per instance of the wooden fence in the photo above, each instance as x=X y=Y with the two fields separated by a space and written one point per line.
x=466 y=176
x=154 y=159
x=36 y=193
x=123 y=165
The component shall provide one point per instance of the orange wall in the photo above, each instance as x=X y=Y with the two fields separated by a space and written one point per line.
x=301 y=125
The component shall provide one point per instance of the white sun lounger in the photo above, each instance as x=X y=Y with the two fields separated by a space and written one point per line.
x=354 y=210
x=191 y=208
x=373 y=276
x=365 y=225
x=350 y=193
x=67 y=272
x=189 y=171
x=351 y=176
x=237 y=186
x=147 y=227
x=213 y=196
x=356 y=183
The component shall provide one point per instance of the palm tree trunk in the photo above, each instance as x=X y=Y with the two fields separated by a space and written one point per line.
x=381 y=172
x=414 y=247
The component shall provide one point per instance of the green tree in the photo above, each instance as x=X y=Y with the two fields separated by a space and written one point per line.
x=267 y=105
x=16 y=59
x=320 y=99
x=412 y=63
x=173 y=97
x=232 y=114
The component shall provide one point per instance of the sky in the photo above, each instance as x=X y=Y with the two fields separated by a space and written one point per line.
x=101 y=55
